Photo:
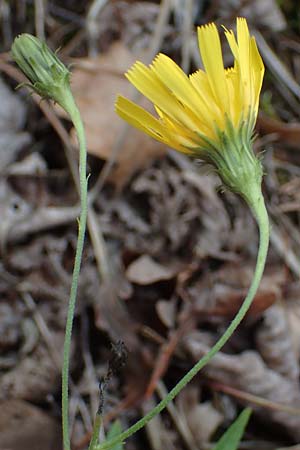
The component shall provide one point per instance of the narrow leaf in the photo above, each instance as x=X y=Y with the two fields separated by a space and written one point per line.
x=232 y=437
x=115 y=430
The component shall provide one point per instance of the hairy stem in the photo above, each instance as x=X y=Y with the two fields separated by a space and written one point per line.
x=258 y=208
x=72 y=110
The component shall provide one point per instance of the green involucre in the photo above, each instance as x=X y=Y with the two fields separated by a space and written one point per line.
x=232 y=157
x=48 y=76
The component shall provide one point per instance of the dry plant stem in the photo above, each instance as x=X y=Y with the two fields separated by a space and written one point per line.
x=254 y=399
x=72 y=110
x=259 y=210
x=179 y=421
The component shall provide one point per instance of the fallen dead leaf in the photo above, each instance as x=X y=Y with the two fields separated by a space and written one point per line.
x=145 y=270
x=248 y=372
x=223 y=292
x=166 y=311
x=202 y=419
x=292 y=304
x=274 y=342
x=12 y=119
x=95 y=84
x=33 y=377
x=22 y=426
x=286 y=132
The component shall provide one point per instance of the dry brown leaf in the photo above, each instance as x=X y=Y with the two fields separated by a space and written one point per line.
x=34 y=377
x=292 y=304
x=12 y=119
x=286 y=132
x=213 y=214
x=289 y=195
x=145 y=270
x=21 y=217
x=166 y=311
x=159 y=435
x=202 y=419
x=33 y=164
x=95 y=84
x=33 y=221
x=166 y=211
x=223 y=291
x=273 y=340
x=24 y=426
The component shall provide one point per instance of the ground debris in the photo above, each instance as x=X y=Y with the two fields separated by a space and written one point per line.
x=163 y=208
x=248 y=372
x=177 y=252
x=274 y=342
x=22 y=422
x=12 y=119
x=202 y=418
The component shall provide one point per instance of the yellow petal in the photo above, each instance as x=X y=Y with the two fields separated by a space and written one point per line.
x=243 y=39
x=211 y=53
x=144 y=121
x=232 y=44
x=147 y=82
x=178 y=82
x=200 y=82
x=183 y=135
x=140 y=118
x=257 y=71
x=249 y=65
x=236 y=106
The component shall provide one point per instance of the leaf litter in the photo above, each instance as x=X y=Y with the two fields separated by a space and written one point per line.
x=179 y=252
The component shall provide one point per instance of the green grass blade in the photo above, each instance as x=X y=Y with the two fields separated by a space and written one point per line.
x=232 y=437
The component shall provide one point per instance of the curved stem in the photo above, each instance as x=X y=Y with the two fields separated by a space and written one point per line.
x=72 y=110
x=259 y=210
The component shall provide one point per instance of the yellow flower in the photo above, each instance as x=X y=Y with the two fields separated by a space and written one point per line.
x=189 y=107
x=210 y=114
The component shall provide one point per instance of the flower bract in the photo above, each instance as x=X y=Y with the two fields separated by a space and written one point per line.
x=49 y=77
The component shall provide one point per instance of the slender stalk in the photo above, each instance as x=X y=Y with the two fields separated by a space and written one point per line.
x=96 y=430
x=260 y=213
x=71 y=108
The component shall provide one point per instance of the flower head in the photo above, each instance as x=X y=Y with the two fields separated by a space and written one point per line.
x=210 y=114
x=48 y=75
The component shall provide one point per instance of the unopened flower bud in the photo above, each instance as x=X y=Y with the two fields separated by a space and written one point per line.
x=49 y=77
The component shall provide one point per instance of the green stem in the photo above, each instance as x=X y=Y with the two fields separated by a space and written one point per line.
x=96 y=430
x=71 y=108
x=258 y=207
